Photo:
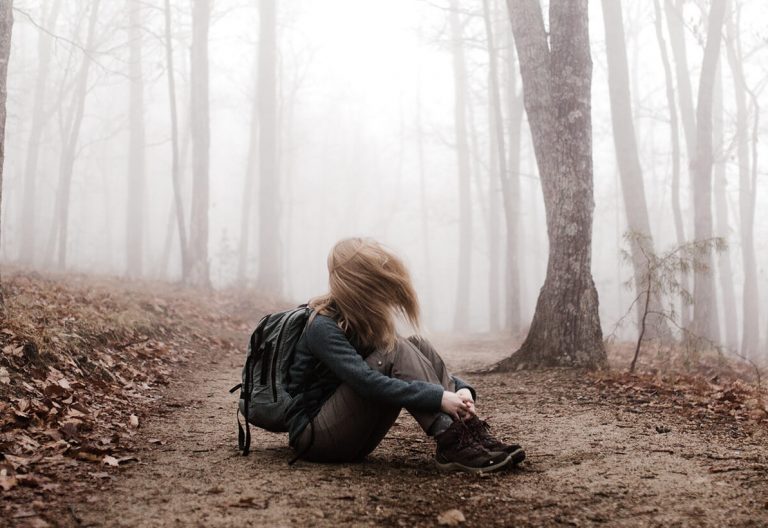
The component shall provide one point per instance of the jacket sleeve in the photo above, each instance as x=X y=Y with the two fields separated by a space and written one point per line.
x=327 y=342
x=461 y=384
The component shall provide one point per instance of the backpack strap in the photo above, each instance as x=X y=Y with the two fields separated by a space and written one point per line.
x=244 y=438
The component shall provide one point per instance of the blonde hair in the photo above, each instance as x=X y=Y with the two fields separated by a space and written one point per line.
x=369 y=287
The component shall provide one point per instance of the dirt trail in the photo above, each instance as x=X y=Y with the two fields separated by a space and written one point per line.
x=591 y=461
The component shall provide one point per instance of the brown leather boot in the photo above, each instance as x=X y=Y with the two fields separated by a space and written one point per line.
x=459 y=450
x=482 y=432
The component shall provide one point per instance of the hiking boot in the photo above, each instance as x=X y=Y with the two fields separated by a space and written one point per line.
x=459 y=450
x=482 y=433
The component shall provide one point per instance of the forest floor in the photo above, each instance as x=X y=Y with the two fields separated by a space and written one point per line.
x=115 y=411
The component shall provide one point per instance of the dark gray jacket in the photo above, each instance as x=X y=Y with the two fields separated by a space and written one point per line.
x=325 y=358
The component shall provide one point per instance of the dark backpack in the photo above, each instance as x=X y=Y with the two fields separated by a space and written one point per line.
x=264 y=399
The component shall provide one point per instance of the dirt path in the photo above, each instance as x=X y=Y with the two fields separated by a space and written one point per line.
x=592 y=460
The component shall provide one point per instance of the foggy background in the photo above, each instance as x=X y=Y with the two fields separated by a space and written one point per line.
x=365 y=144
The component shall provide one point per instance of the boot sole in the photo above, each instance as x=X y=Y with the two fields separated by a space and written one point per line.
x=517 y=456
x=455 y=466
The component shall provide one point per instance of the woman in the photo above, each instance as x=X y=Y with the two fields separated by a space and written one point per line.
x=352 y=373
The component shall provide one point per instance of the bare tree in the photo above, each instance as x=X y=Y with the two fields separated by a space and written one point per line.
x=556 y=68
x=28 y=218
x=750 y=340
x=251 y=175
x=627 y=156
x=201 y=143
x=705 y=303
x=72 y=127
x=175 y=162
x=674 y=133
x=270 y=261
x=6 y=27
x=725 y=273
x=461 y=313
x=513 y=316
x=136 y=145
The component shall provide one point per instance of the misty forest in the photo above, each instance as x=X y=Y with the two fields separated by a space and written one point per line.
x=578 y=190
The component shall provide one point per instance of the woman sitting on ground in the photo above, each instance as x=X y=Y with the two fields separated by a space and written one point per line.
x=352 y=374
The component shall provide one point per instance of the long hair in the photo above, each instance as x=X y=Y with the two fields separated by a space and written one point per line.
x=369 y=287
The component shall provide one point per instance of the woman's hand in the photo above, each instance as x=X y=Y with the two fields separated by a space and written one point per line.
x=453 y=405
x=469 y=401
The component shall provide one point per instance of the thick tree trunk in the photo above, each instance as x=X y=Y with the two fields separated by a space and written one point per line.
x=750 y=340
x=28 y=218
x=464 y=258
x=174 y=117
x=270 y=248
x=674 y=132
x=6 y=27
x=201 y=142
x=628 y=159
x=557 y=91
x=60 y=226
x=705 y=321
x=725 y=273
x=136 y=146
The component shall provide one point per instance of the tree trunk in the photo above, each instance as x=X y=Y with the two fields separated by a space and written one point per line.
x=725 y=273
x=464 y=257
x=513 y=316
x=704 y=296
x=60 y=227
x=557 y=92
x=674 y=132
x=498 y=168
x=628 y=159
x=680 y=55
x=250 y=175
x=6 y=27
x=136 y=146
x=174 y=116
x=750 y=340
x=270 y=278
x=201 y=140
x=28 y=218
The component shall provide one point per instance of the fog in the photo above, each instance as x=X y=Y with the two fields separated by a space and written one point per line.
x=365 y=144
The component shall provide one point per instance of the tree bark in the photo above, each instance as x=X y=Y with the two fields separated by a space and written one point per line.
x=750 y=340
x=201 y=142
x=557 y=92
x=28 y=218
x=136 y=146
x=6 y=28
x=270 y=278
x=464 y=258
x=628 y=159
x=705 y=321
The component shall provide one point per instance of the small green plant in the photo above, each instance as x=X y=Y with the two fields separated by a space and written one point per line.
x=663 y=276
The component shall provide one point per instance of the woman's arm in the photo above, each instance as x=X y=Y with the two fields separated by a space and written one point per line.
x=327 y=342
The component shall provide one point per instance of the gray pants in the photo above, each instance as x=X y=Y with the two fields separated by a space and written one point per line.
x=348 y=427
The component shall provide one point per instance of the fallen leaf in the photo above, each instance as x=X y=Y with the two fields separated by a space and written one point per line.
x=134 y=421
x=5 y=377
x=452 y=517
x=100 y=475
x=110 y=461
x=7 y=482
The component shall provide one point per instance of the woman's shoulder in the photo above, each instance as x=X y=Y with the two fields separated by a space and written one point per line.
x=320 y=323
